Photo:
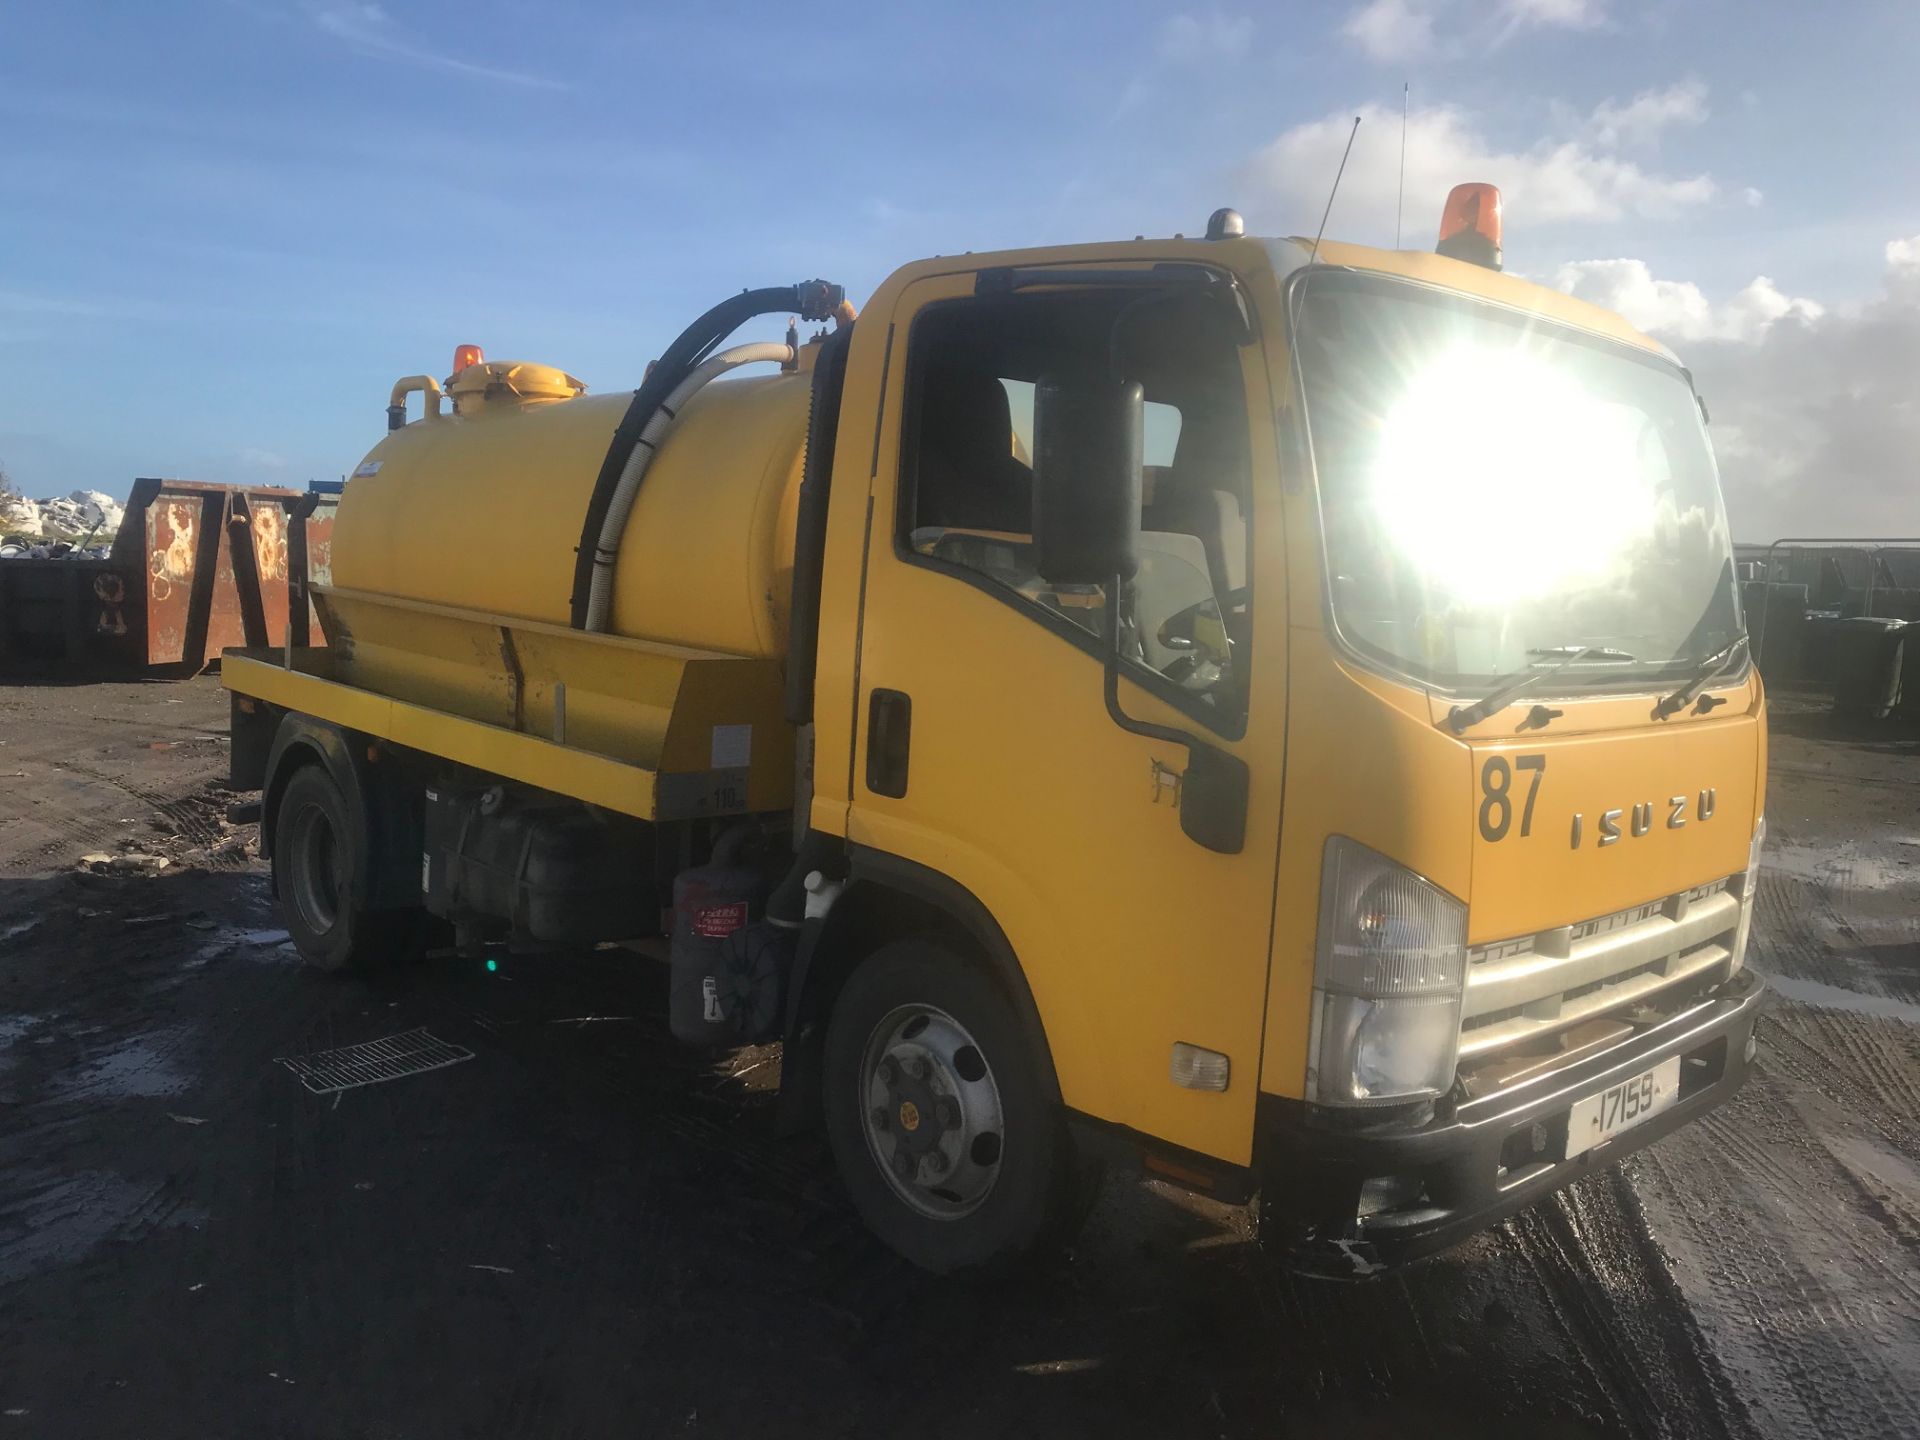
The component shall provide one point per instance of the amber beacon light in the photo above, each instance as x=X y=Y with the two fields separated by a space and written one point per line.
x=1470 y=225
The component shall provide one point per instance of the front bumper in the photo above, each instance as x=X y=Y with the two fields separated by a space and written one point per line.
x=1459 y=1172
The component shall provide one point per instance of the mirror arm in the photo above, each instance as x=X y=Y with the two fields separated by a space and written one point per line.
x=1213 y=788
x=1112 y=678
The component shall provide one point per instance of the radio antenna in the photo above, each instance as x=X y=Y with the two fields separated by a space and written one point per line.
x=1400 y=204
x=1336 y=187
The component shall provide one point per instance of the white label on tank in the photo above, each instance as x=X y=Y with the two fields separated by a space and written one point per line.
x=732 y=746
x=426 y=871
x=710 y=1001
x=367 y=467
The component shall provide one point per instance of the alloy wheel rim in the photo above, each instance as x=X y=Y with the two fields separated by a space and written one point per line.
x=931 y=1112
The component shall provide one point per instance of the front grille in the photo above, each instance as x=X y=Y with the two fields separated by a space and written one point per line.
x=1525 y=992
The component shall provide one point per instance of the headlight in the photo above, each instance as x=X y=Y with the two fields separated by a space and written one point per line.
x=1389 y=970
x=1749 y=888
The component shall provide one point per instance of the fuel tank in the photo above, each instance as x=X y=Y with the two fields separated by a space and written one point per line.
x=481 y=508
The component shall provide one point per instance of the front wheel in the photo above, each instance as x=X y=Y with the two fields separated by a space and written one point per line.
x=943 y=1125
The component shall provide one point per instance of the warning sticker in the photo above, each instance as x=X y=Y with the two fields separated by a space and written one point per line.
x=716 y=922
x=732 y=746
x=366 y=468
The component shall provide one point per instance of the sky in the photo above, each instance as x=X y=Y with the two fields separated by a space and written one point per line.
x=226 y=226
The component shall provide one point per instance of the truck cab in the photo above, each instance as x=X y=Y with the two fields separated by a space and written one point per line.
x=1450 y=944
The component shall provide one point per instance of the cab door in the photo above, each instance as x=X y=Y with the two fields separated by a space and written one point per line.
x=982 y=747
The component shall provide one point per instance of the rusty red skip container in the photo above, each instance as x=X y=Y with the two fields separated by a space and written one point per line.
x=194 y=568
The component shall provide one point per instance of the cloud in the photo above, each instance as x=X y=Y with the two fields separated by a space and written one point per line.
x=1185 y=40
x=1196 y=39
x=1903 y=269
x=81 y=307
x=1678 y=309
x=1392 y=32
x=1815 y=419
x=368 y=29
x=1580 y=178
x=1566 y=14
x=1641 y=120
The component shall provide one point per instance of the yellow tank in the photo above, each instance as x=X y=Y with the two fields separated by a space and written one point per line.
x=481 y=509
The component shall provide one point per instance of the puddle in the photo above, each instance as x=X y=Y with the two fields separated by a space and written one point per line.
x=1832 y=997
x=18 y=928
x=257 y=945
x=55 y=1220
x=13 y=1029
x=140 y=1069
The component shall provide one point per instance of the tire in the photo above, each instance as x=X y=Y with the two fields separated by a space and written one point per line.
x=317 y=850
x=959 y=1200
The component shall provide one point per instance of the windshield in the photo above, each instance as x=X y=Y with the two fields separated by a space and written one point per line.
x=1497 y=491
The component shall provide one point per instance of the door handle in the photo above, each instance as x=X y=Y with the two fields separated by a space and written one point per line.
x=889 y=732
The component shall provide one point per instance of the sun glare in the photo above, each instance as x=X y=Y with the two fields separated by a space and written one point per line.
x=1499 y=479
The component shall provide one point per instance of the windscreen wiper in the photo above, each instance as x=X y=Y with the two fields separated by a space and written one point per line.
x=1703 y=673
x=1520 y=681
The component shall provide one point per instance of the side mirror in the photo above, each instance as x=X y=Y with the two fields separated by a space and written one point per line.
x=1213 y=799
x=1088 y=438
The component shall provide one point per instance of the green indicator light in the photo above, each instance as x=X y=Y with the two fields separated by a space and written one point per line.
x=492 y=965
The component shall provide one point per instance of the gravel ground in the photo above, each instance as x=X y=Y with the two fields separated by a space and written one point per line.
x=581 y=1231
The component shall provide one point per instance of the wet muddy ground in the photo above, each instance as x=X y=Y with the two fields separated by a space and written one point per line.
x=581 y=1231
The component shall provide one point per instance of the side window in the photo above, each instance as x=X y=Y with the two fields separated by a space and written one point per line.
x=967 y=478
x=1162 y=427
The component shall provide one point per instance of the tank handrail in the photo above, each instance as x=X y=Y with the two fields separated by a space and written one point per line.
x=397 y=401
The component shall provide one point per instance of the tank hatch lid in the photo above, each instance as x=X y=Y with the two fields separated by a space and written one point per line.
x=516 y=377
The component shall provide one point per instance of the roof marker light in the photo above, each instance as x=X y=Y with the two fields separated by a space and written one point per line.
x=1470 y=225
x=465 y=355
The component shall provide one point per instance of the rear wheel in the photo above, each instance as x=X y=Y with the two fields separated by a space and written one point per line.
x=944 y=1127
x=317 y=852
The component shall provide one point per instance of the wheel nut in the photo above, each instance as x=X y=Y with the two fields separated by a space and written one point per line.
x=917 y=1067
x=904 y=1165
x=881 y=1119
x=937 y=1162
x=948 y=1114
x=889 y=1071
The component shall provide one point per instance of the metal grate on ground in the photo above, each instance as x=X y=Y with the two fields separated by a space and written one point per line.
x=412 y=1053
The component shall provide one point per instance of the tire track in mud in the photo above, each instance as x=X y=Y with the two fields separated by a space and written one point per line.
x=196 y=817
x=1802 y=1298
x=1592 y=1250
x=1789 y=1214
x=1870 y=1065
x=58 y=740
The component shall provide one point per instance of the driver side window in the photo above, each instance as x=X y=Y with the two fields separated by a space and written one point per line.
x=967 y=478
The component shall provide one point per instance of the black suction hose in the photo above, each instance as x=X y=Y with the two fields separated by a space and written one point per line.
x=811 y=300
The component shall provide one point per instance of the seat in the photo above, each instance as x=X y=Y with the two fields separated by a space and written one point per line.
x=1181 y=502
x=968 y=476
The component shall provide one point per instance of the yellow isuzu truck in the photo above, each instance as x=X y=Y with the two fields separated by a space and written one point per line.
x=1278 y=711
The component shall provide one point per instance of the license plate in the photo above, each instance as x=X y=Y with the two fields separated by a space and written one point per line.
x=1599 y=1118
